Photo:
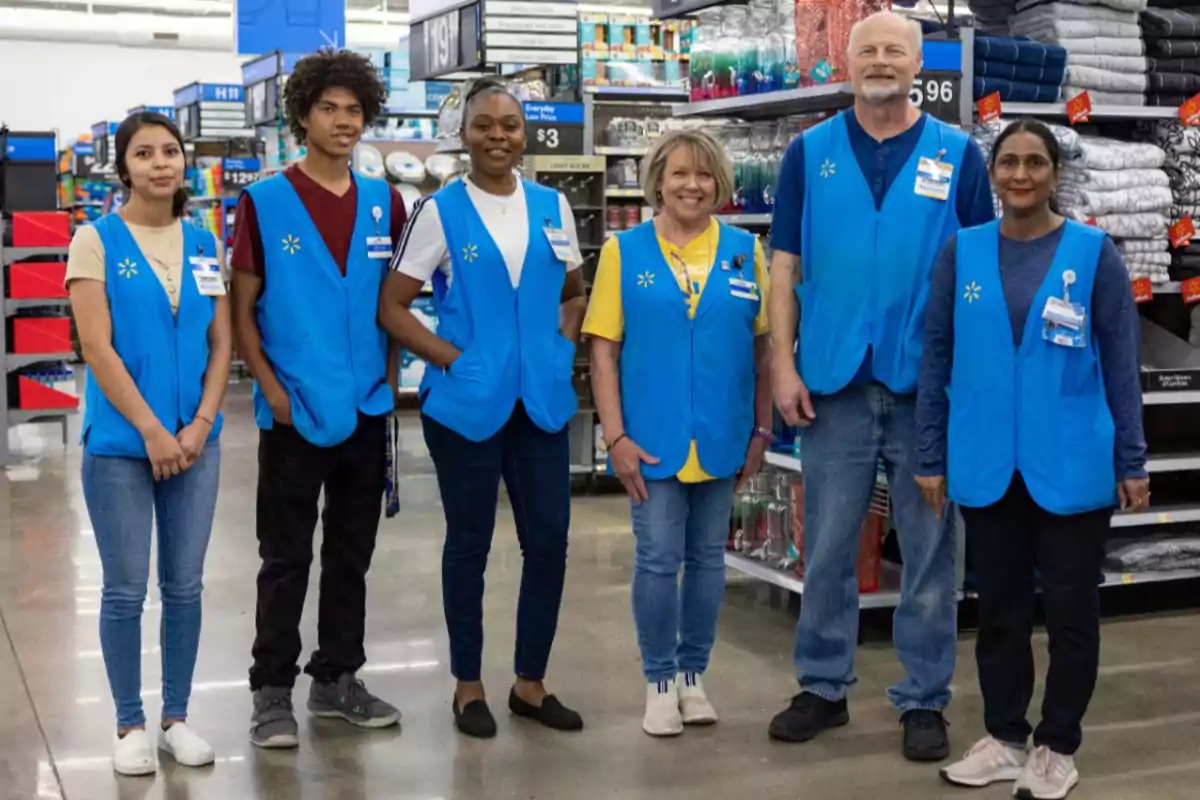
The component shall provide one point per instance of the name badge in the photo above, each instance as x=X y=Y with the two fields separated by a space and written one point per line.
x=1065 y=323
x=379 y=247
x=207 y=272
x=560 y=243
x=933 y=178
x=743 y=289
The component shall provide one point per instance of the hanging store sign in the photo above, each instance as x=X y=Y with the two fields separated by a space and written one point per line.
x=166 y=111
x=262 y=83
x=669 y=9
x=211 y=111
x=289 y=26
x=937 y=89
x=444 y=38
x=553 y=128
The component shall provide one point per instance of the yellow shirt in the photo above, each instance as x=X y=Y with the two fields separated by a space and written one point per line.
x=690 y=263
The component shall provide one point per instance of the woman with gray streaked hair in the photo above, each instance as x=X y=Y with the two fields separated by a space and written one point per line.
x=680 y=356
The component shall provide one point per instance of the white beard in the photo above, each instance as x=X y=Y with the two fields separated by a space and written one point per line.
x=882 y=94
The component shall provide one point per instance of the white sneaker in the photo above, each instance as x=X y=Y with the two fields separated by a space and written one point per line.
x=989 y=761
x=133 y=754
x=694 y=707
x=186 y=746
x=662 y=709
x=1047 y=776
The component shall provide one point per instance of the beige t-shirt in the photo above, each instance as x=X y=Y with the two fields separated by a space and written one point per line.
x=163 y=248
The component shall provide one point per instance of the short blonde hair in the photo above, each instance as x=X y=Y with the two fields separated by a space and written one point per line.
x=707 y=152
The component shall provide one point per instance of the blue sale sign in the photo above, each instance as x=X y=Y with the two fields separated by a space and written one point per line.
x=297 y=26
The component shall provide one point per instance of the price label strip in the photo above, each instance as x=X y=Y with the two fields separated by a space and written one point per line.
x=989 y=108
x=1181 y=232
x=1143 y=290
x=1189 y=112
x=1190 y=289
x=1079 y=107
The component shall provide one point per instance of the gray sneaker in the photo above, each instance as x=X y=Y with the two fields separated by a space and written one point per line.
x=273 y=724
x=349 y=699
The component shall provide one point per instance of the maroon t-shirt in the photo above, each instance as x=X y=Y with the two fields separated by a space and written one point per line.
x=334 y=217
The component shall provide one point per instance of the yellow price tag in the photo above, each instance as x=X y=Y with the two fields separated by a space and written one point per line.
x=1163 y=518
x=1126 y=578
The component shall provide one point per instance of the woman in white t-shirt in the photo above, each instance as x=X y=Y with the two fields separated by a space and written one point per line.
x=503 y=257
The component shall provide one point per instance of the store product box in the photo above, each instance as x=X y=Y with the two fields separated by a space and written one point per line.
x=35 y=335
x=41 y=229
x=33 y=395
x=622 y=35
x=593 y=71
x=28 y=171
x=593 y=34
x=1169 y=364
x=29 y=281
x=642 y=41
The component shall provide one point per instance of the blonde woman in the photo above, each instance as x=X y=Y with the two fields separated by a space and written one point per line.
x=679 y=354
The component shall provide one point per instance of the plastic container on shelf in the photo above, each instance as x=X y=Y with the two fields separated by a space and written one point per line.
x=763 y=17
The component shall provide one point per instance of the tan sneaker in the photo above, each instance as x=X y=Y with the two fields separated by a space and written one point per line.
x=989 y=761
x=1047 y=776
x=662 y=709
x=694 y=707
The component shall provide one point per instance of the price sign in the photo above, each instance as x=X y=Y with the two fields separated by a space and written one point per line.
x=1189 y=112
x=937 y=93
x=1190 y=289
x=1143 y=290
x=989 y=107
x=444 y=42
x=1079 y=107
x=1092 y=221
x=1181 y=232
x=238 y=173
x=553 y=128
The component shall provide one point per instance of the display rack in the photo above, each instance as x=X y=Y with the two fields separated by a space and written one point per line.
x=11 y=416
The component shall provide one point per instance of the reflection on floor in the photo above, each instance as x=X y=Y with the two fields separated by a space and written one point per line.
x=1142 y=739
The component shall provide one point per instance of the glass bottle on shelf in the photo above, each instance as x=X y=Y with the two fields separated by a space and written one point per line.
x=725 y=59
x=763 y=17
x=705 y=35
x=779 y=520
x=785 y=23
x=737 y=143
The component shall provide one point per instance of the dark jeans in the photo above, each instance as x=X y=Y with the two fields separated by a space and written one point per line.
x=535 y=466
x=291 y=474
x=1009 y=539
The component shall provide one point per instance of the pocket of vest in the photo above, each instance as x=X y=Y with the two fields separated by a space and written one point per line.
x=466 y=378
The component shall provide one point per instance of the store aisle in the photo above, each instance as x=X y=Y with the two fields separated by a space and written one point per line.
x=1142 y=738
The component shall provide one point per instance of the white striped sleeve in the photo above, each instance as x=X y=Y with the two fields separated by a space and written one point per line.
x=423 y=246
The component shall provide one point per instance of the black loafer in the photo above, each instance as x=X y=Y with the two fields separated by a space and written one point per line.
x=475 y=719
x=925 y=737
x=550 y=713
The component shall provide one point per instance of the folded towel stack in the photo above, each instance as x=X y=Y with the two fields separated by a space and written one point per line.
x=1123 y=186
x=992 y=16
x=1182 y=146
x=1172 y=38
x=1020 y=69
x=1102 y=38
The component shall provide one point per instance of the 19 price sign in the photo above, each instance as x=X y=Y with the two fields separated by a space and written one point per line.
x=441 y=43
x=937 y=94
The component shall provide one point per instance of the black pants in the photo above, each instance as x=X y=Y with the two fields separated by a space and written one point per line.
x=535 y=466
x=291 y=474
x=1008 y=541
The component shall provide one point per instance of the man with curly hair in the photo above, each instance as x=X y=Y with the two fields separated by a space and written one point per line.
x=312 y=247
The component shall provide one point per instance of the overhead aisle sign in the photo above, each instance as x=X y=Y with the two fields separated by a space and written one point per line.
x=290 y=26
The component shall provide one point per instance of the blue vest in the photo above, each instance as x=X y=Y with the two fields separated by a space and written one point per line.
x=319 y=327
x=166 y=354
x=510 y=341
x=688 y=379
x=866 y=271
x=1040 y=408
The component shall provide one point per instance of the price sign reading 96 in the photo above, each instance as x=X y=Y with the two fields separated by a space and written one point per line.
x=441 y=43
x=937 y=94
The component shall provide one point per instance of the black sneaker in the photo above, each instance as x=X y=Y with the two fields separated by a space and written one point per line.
x=807 y=716
x=925 y=736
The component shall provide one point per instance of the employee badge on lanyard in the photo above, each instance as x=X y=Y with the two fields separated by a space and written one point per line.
x=933 y=177
x=1065 y=322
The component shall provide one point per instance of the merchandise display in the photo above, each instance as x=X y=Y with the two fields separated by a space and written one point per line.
x=1020 y=70
x=1172 y=43
x=629 y=50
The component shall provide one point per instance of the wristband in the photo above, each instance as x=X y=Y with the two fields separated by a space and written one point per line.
x=206 y=419
x=765 y=435
x=618 y=439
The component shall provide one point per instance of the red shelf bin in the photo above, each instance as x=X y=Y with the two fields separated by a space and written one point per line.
x=33 y=396
x=41 y=229
x=35 y=335
x=34 y=281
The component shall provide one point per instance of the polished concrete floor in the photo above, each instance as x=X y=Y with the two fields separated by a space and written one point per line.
x=1142 y=738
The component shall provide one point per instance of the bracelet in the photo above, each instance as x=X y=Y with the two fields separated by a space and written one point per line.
x=613 y=443
x=206 y=419
x=764 y=434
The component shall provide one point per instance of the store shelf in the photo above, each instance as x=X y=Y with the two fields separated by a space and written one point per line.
x=1169 y=398
x=1170 y=287
x=1128 y=578
x=13 y=306
x=604 y=150
x=745 y=220
x=1164 y=515
x=20 y=416
x=786 y=579
x=15 y=361
x=15 y=254
x=633 y=194
x=1179 y=462
x=664 y=92
x=1097 y=112
x=827 y=97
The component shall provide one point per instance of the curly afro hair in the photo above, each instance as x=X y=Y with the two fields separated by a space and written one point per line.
x=327 y=69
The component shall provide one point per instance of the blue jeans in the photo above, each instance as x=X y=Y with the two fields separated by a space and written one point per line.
x=680 y=525
x=853 y=429
x=123 y=501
